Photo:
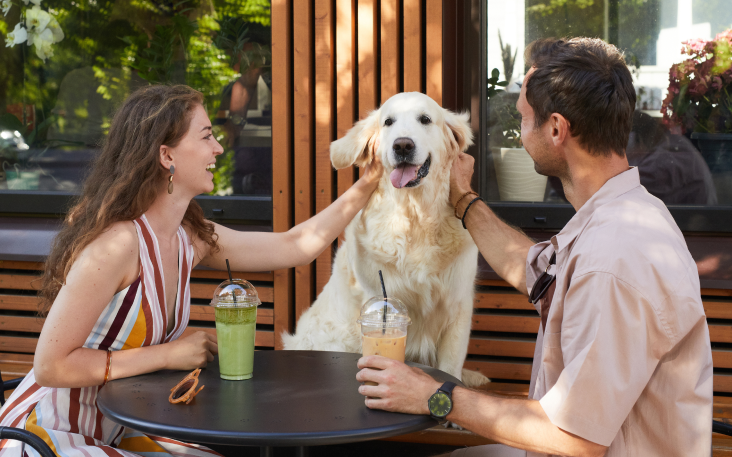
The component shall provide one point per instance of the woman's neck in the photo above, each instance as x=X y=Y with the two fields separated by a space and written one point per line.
x=166 y=214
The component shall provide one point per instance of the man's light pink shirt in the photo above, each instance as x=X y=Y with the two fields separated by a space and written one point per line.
x=625 y=360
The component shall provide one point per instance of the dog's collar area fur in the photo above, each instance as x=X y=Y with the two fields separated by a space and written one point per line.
x=423 y=171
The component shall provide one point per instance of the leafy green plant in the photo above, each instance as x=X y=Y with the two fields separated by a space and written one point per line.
x=504 y=120
x=161 y=59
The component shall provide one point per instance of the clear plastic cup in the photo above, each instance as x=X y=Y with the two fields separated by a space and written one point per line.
x=236 y=304
x=384 y=325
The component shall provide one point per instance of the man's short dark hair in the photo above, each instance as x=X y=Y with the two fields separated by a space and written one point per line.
x=587 y=81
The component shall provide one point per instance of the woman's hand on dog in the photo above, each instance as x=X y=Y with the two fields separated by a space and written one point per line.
x=400 y=388
x=461 y=175
x=373 y=172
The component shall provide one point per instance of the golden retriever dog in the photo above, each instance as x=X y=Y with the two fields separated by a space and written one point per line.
x=409 y=231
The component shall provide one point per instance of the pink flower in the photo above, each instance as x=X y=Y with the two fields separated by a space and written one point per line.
x=726 y=35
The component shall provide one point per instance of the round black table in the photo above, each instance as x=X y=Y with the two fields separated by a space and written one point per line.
x=295 y=398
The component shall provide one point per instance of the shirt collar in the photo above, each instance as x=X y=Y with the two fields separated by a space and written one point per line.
x=612 y=189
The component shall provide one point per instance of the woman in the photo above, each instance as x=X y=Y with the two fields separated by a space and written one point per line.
x=118 y=273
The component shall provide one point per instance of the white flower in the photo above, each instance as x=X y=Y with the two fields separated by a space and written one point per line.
x=55 y=28
x=36 y=19
x=42 y=42
x=5 y=6
x=17 y=36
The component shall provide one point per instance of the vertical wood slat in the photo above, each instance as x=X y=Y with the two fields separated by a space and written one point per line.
x=390 y=45
x=367 y=63
x=433 y=49
x=281 y=155
x=303 y=140
x=324 y=125
x=345 y=79
x=413 y=45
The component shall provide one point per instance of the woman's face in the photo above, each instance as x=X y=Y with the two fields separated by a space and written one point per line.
x=195 y=156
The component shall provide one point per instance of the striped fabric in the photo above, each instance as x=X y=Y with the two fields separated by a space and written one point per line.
x=68 y=419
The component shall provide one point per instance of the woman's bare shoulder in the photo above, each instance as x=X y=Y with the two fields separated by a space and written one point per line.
x=113 y=254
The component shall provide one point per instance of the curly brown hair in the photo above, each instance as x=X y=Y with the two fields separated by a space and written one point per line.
x=125 y=179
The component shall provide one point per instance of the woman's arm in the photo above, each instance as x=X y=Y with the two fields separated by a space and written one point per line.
x=262 y=251
x=109 y=264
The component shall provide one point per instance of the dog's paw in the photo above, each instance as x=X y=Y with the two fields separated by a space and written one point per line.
x=473 y=379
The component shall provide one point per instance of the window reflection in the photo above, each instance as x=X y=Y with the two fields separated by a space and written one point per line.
x=55 y=113
x=681 y=139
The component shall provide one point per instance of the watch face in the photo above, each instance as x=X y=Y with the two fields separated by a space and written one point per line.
x=440 y=404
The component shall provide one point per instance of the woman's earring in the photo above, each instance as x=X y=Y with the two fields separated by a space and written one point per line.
x=170 y=181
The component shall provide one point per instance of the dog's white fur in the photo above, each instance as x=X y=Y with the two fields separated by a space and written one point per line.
x=428 y=260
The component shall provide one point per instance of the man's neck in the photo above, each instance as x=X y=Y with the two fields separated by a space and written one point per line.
x=587 y=173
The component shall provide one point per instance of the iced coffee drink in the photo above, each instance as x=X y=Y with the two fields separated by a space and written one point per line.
x=384 y=323
x=236 y=304
x=390 y=343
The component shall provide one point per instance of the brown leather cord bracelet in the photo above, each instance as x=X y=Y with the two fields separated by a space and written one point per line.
x=467 y=208
x=461 y=199
x=109 y=366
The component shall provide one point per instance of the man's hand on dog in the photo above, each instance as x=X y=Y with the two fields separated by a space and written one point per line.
x=460 y=176
x=400 y=388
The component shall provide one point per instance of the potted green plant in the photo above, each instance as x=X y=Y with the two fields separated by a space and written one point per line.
x=517 y=180
x=699 y=104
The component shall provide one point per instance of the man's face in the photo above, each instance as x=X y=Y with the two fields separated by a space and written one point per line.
x=537 y=140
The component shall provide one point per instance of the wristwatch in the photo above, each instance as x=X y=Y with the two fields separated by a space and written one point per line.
x=238 y=120
x=440 y=403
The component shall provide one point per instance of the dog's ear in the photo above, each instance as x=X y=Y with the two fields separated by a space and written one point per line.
x=359 y=144
x=460 y=133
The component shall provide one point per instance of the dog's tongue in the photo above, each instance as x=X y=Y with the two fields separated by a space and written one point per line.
x=403 y=174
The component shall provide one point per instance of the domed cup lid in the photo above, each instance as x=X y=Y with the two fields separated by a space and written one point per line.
x=372 y=313
x=236 y=293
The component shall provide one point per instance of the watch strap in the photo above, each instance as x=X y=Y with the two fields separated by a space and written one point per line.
x=447 y=388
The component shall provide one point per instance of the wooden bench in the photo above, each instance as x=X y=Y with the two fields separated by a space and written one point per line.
x=501 y=345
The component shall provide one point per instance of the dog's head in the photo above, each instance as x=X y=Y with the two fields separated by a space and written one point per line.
x=412 y=135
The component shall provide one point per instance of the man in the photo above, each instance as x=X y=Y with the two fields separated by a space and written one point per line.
x=623 y=362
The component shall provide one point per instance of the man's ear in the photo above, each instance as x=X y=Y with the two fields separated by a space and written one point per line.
x=458 y=130
x=359 y=144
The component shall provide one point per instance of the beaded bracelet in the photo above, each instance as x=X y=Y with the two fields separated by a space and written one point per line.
x=109 y=366
x=461 y=199
x=467 y=208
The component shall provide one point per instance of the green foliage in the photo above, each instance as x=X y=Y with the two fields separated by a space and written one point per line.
x=162 y=58
x=504 y=120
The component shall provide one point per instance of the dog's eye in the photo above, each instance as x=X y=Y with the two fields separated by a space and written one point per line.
x=388 y=121
x=425 y=120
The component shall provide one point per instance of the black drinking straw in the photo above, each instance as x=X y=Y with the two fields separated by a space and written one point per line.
x=383 y=289
x=228 y=268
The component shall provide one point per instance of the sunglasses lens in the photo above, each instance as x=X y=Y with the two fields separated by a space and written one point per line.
x=540 y=287
x=183 y=389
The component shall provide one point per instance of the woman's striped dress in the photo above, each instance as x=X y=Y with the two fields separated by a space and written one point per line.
x=68 y=419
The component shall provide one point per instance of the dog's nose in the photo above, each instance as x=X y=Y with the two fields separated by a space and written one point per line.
x=403 y=146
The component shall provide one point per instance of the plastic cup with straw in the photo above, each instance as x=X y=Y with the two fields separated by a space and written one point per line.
x=235 y=303
x=384 y=321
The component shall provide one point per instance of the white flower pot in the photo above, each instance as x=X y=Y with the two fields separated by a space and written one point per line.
x=517 y=180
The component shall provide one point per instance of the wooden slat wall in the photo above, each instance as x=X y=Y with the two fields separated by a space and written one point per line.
x=336 y=61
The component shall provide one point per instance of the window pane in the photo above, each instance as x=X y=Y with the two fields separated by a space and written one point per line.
x=58 y=94
x=684 y=158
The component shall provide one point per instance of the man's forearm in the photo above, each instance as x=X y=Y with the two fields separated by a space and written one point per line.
x=518 y=423
x=505 y=248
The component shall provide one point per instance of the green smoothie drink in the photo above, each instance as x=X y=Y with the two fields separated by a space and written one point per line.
x=236 y=304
